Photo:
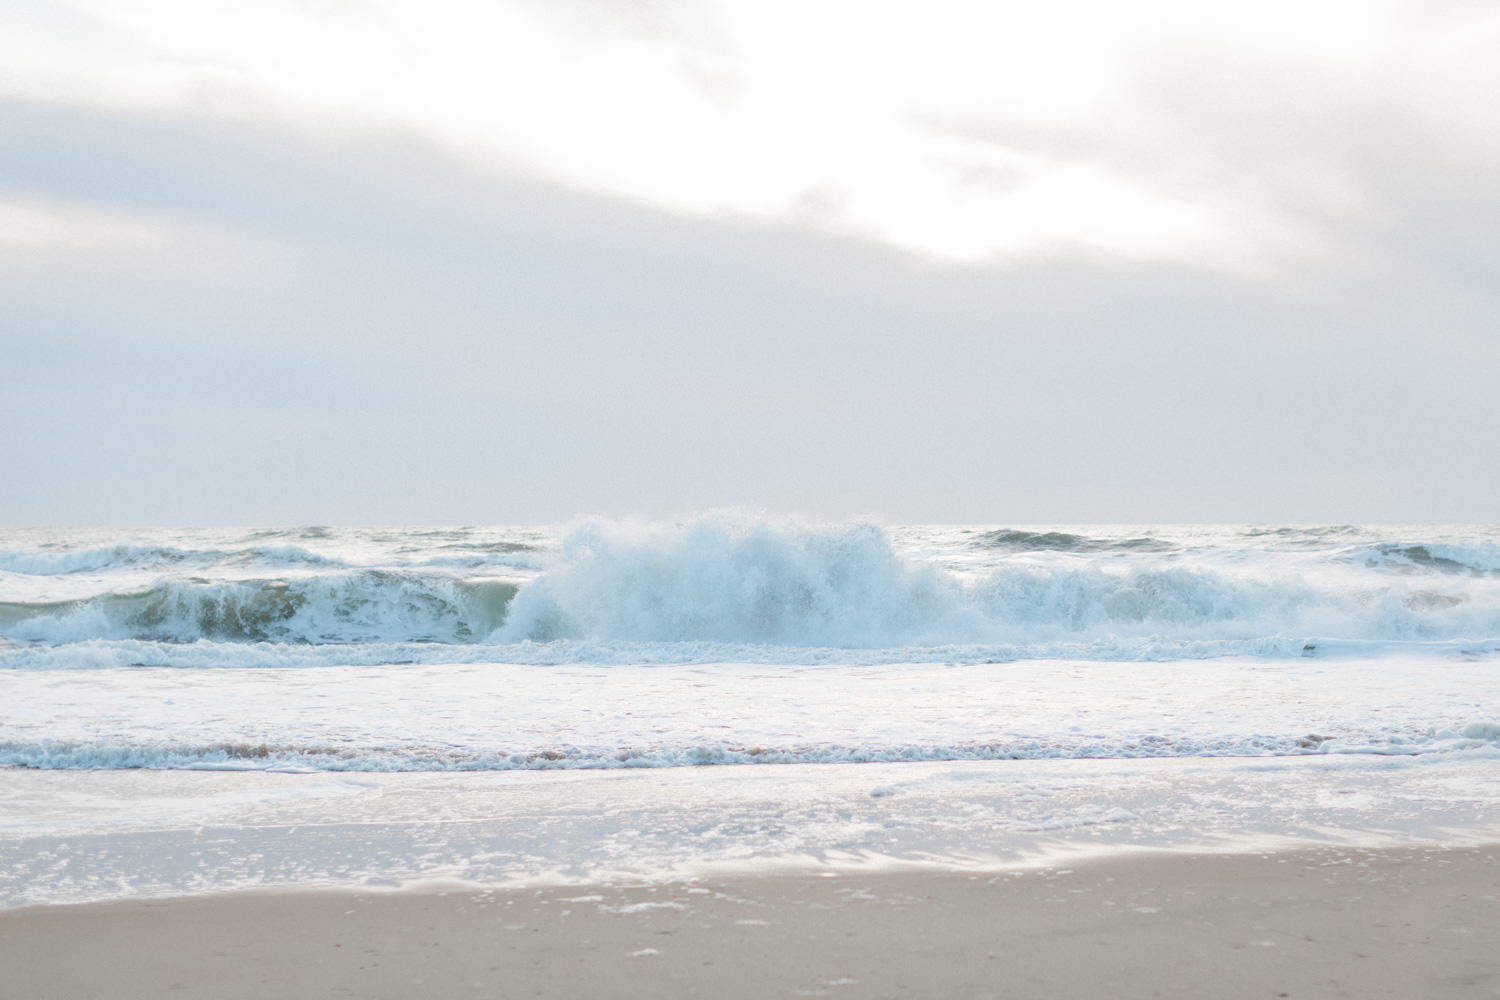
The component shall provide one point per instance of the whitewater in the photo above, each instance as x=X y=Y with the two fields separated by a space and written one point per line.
x=737 y=639
x=374 y=697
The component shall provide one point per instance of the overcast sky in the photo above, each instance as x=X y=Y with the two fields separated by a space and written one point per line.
x=418 y=261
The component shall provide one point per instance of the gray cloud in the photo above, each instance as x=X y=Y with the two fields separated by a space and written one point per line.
x=408 y=339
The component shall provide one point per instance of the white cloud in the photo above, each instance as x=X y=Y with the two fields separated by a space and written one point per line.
x=1214 y=135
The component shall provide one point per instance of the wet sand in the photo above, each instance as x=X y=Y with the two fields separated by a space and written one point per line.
x=1330 y=922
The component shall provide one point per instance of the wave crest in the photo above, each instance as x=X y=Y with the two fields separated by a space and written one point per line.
x=733 y=581
x=347 y=607
x=726 y=580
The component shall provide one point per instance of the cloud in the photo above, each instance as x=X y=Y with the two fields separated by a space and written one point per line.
x=267 y=301
x=1215 y=137
x=439 y=343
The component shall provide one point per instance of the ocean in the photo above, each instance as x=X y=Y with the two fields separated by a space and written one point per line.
x=198 y=710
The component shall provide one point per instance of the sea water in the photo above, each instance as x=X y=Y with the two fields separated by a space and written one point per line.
x=193 y=710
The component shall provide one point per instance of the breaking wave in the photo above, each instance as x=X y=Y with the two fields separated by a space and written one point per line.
x=727 y=581
x=346 y=607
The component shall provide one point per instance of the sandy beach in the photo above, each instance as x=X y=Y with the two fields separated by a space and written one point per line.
x=1328 y=922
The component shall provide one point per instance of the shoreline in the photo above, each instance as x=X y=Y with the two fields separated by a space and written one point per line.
x=82 y=836
x=1322 y=921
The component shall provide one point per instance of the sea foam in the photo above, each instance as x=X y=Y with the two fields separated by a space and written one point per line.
x=728 y=580
x=718 y=585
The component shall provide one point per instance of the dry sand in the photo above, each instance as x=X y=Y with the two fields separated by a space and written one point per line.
x=1410 y=923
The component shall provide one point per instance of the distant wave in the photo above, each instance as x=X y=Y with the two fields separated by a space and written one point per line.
x=489 y=548
x=90 y=560
x=1318 y=534
x=156 y=558
x=1417 y=558
x=1061 y=541
x=149 y=557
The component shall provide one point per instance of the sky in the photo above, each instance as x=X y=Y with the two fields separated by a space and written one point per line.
x=432 y=261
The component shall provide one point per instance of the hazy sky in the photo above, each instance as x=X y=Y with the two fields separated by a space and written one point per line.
x=439 y=261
